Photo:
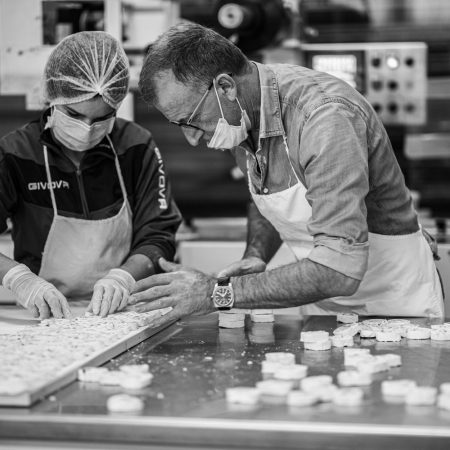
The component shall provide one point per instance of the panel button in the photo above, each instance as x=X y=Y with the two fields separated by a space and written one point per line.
x=376 y=62
x=392 y=108
x=377 y=85
x=392 y=85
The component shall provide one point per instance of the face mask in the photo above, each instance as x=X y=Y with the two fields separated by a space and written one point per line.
x=228 y=136
x=75 y=134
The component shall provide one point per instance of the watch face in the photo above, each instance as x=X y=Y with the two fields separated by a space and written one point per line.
x=223 y=296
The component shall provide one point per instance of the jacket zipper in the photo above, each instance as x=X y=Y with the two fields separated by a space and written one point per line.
x=82 y=193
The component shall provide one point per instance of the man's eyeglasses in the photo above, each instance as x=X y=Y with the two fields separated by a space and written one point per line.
x=188 y=124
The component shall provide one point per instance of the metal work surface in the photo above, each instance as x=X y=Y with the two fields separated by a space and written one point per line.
x=185 y=405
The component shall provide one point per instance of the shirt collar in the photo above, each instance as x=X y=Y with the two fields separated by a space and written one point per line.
x=270 y=123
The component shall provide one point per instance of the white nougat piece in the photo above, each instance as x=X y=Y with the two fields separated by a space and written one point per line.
x=347 y=317
x=270 y=367
x=284 y=358
x=372 y=365
x=134 y=368
x=262 y=318
x=342 y=341
x=443 y=401
x=314 y=336
x=326 y=392
x=136 y=381
x=124 y=403
x=445 y=388
x=318 y=345
x=275 y=388
x=112 y=378
x=353 y=378
x=300 y=398
x=348 y=397
x=421 y=396
x=353 y=356
x=374 y=322
x=291 y=373
x=392 y=359
x=397 y=388
x=243 y=395
x=440 y=334
x=314 y=383
x=387 y=335
x=91 y=374
x=368 y=332
x=418 y=333
x=350 y=329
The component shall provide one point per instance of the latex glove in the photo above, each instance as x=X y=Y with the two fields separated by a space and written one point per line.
x=245 y=266
x=111 y=292
x=40 y=297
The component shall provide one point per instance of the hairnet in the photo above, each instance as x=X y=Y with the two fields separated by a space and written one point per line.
x=84 y=65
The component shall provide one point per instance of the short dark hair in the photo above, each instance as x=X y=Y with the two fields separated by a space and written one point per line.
x=194 y=53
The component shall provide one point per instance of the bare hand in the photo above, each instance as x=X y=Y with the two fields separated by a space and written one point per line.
x=187 y=291
x=245 y=266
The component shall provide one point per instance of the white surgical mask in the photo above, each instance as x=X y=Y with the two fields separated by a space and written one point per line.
x=228 y=136
x=76 y=134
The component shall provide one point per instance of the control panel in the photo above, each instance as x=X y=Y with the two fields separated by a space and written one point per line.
x=392 y=76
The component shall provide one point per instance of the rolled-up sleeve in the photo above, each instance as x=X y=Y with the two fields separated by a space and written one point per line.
x=334 y=155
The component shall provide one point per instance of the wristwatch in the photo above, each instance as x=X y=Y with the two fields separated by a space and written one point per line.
x=223 y=295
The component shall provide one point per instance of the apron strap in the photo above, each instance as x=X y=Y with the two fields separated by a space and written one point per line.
x=49 y=181
x=119 y=171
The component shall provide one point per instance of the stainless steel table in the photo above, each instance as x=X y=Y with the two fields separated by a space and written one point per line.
x=185 y=406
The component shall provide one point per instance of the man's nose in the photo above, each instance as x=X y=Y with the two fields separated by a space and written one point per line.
x=192 y=136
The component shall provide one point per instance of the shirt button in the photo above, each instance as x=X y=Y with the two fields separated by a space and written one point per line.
x=265 y=190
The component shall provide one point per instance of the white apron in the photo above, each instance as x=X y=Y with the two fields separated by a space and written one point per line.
x=401 y=278
x=79 y=252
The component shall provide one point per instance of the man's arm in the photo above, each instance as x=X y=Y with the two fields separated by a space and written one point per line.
x=292 y=285
x=263 y=240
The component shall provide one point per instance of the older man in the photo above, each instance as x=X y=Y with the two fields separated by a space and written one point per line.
x=323 y=179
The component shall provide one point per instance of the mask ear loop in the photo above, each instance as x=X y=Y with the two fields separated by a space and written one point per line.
x=217 y=95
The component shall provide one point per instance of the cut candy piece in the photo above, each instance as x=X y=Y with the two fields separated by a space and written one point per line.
x=418 y=333
x=350 y=329
x=314 y=336
x=294 y=372
x=397 y=388
x=353 y=378
x=300 y=398
x=316 y=382
x=284 y=358
x=134 y=368
x=318 y=345
x=347 y=317
x=348 y=397
x=136 y=381
x=342 y=341
x=421 y=396
x=388 y=336
x=124 y=403
x=91 y=374
x=276 y=388
x=243 y=395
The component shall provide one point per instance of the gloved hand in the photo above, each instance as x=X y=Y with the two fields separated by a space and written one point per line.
x=111 y=292
x=252 y=264
x=40 y=297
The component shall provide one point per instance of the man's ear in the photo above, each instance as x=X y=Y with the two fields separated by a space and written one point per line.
x=226 y=86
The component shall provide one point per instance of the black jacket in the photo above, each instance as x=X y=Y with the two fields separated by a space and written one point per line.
x=91 y=192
